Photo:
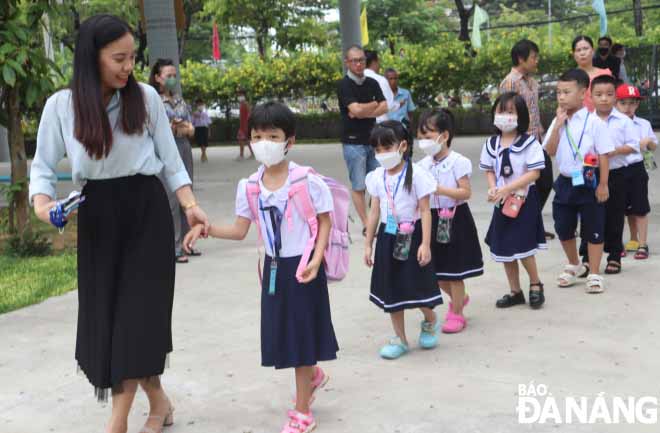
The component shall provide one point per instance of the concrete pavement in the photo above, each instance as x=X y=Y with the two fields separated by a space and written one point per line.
x=577 y=345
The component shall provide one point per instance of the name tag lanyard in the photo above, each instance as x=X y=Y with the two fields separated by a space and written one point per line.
x=274 y=240
x=576 y=149
x=392 y=224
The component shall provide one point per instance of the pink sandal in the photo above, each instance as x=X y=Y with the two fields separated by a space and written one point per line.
x=454 y=323
x=299 y=422
x=466 y=301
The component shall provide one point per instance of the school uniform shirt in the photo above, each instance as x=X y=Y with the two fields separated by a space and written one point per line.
x=296 y=235
x=596 y=139
x=643 y=129
x=622 y=132
x=146 y=153
x=405 y=203
x=447 y=172
x=525 y=154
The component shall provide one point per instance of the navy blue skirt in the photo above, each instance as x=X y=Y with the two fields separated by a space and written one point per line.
x=460 y=258
x=296 y=326
x=512 y=239
x=397 y=285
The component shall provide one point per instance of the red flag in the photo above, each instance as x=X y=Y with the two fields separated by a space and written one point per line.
x=216 y=42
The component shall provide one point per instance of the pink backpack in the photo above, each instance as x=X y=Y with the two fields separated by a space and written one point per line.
x=337 y=253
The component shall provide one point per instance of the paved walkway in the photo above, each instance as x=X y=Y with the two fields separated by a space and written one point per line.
x=577 y=345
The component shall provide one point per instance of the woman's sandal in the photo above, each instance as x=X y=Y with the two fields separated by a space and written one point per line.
x=642 y=252
x=165 y=421
x=181 y=259
x=612 y=267
x=595 y=284
x=571 y=273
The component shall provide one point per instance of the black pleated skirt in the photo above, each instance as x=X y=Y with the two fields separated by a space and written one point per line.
x=296 y=325
x=460 y=258
x=397 y=285
x=512 y=239
x=125 y=281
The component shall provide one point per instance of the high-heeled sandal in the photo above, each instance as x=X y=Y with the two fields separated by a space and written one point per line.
x=167 y=420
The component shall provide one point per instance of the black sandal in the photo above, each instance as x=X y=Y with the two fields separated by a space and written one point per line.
x=612 y=267
x=181 y=259
x=536 y=297
x=510 y=299
x=195 y=253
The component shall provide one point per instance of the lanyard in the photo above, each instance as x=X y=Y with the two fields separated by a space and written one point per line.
x=576 y=149
x=275 y=241
x=436 y=197
x=390 y=198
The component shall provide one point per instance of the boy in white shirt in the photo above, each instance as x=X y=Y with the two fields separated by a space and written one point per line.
x=575 y=137
x=624 y=137
x=637 y=178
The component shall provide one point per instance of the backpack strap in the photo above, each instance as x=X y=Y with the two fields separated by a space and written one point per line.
x=252 y=194
x=302 y=200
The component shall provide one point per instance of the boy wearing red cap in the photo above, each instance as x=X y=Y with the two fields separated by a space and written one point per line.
x=637 y=179
x=624 y=137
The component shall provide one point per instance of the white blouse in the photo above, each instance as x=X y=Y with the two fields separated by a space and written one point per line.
x=405 y=203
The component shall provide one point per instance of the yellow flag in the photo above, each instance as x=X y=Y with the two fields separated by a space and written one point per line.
x=364 y=29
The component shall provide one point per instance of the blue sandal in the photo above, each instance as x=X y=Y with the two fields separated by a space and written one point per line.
x=395 y=349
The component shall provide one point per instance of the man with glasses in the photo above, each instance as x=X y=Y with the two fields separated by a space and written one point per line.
x=361 y=101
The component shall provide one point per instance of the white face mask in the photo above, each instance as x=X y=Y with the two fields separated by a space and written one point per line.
x=389 y=160
x=268 y=152
x=506 y=122
x=431 y=147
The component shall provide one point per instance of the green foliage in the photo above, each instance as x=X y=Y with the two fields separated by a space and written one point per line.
x=27 y=281
x=395 y=21
x=285 y=17
x=30 y=243
x=301 y=74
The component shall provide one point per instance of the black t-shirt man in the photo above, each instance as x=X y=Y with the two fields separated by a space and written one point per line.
x=610 y=62
x=354 y=130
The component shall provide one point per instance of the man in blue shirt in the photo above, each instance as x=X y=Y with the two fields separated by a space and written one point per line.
x=402 y=97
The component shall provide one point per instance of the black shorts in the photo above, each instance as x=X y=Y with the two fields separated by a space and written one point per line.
x=637 y=191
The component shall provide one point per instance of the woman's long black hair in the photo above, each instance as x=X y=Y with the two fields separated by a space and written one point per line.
x=392 y=133
x=91 y=124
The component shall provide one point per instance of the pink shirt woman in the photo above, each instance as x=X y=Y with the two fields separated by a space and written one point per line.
x=583 y=53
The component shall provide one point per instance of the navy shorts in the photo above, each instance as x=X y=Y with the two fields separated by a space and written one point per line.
x=637 y=191
x=573 y=203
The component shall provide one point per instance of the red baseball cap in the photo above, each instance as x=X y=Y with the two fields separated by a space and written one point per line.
x=626 y=91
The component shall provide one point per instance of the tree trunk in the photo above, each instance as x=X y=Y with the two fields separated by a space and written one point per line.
x=392 y=45
x=19 y=205
x=261 y=45
x=464 y=15
x=639 y=17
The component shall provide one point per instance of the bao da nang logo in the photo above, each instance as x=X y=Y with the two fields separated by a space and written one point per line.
x=536 y=405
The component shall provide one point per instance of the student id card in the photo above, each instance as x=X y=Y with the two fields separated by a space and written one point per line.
x=577 y=177
x=273 y=277
x=391 y=227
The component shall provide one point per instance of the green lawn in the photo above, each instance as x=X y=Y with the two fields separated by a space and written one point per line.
x=27 y=281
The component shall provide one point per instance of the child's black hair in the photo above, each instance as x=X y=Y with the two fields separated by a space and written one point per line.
x=521 y=109
x=603 y=79
x=438 y=120
x=392 y=133
x=577 y=75
x=273 y=115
